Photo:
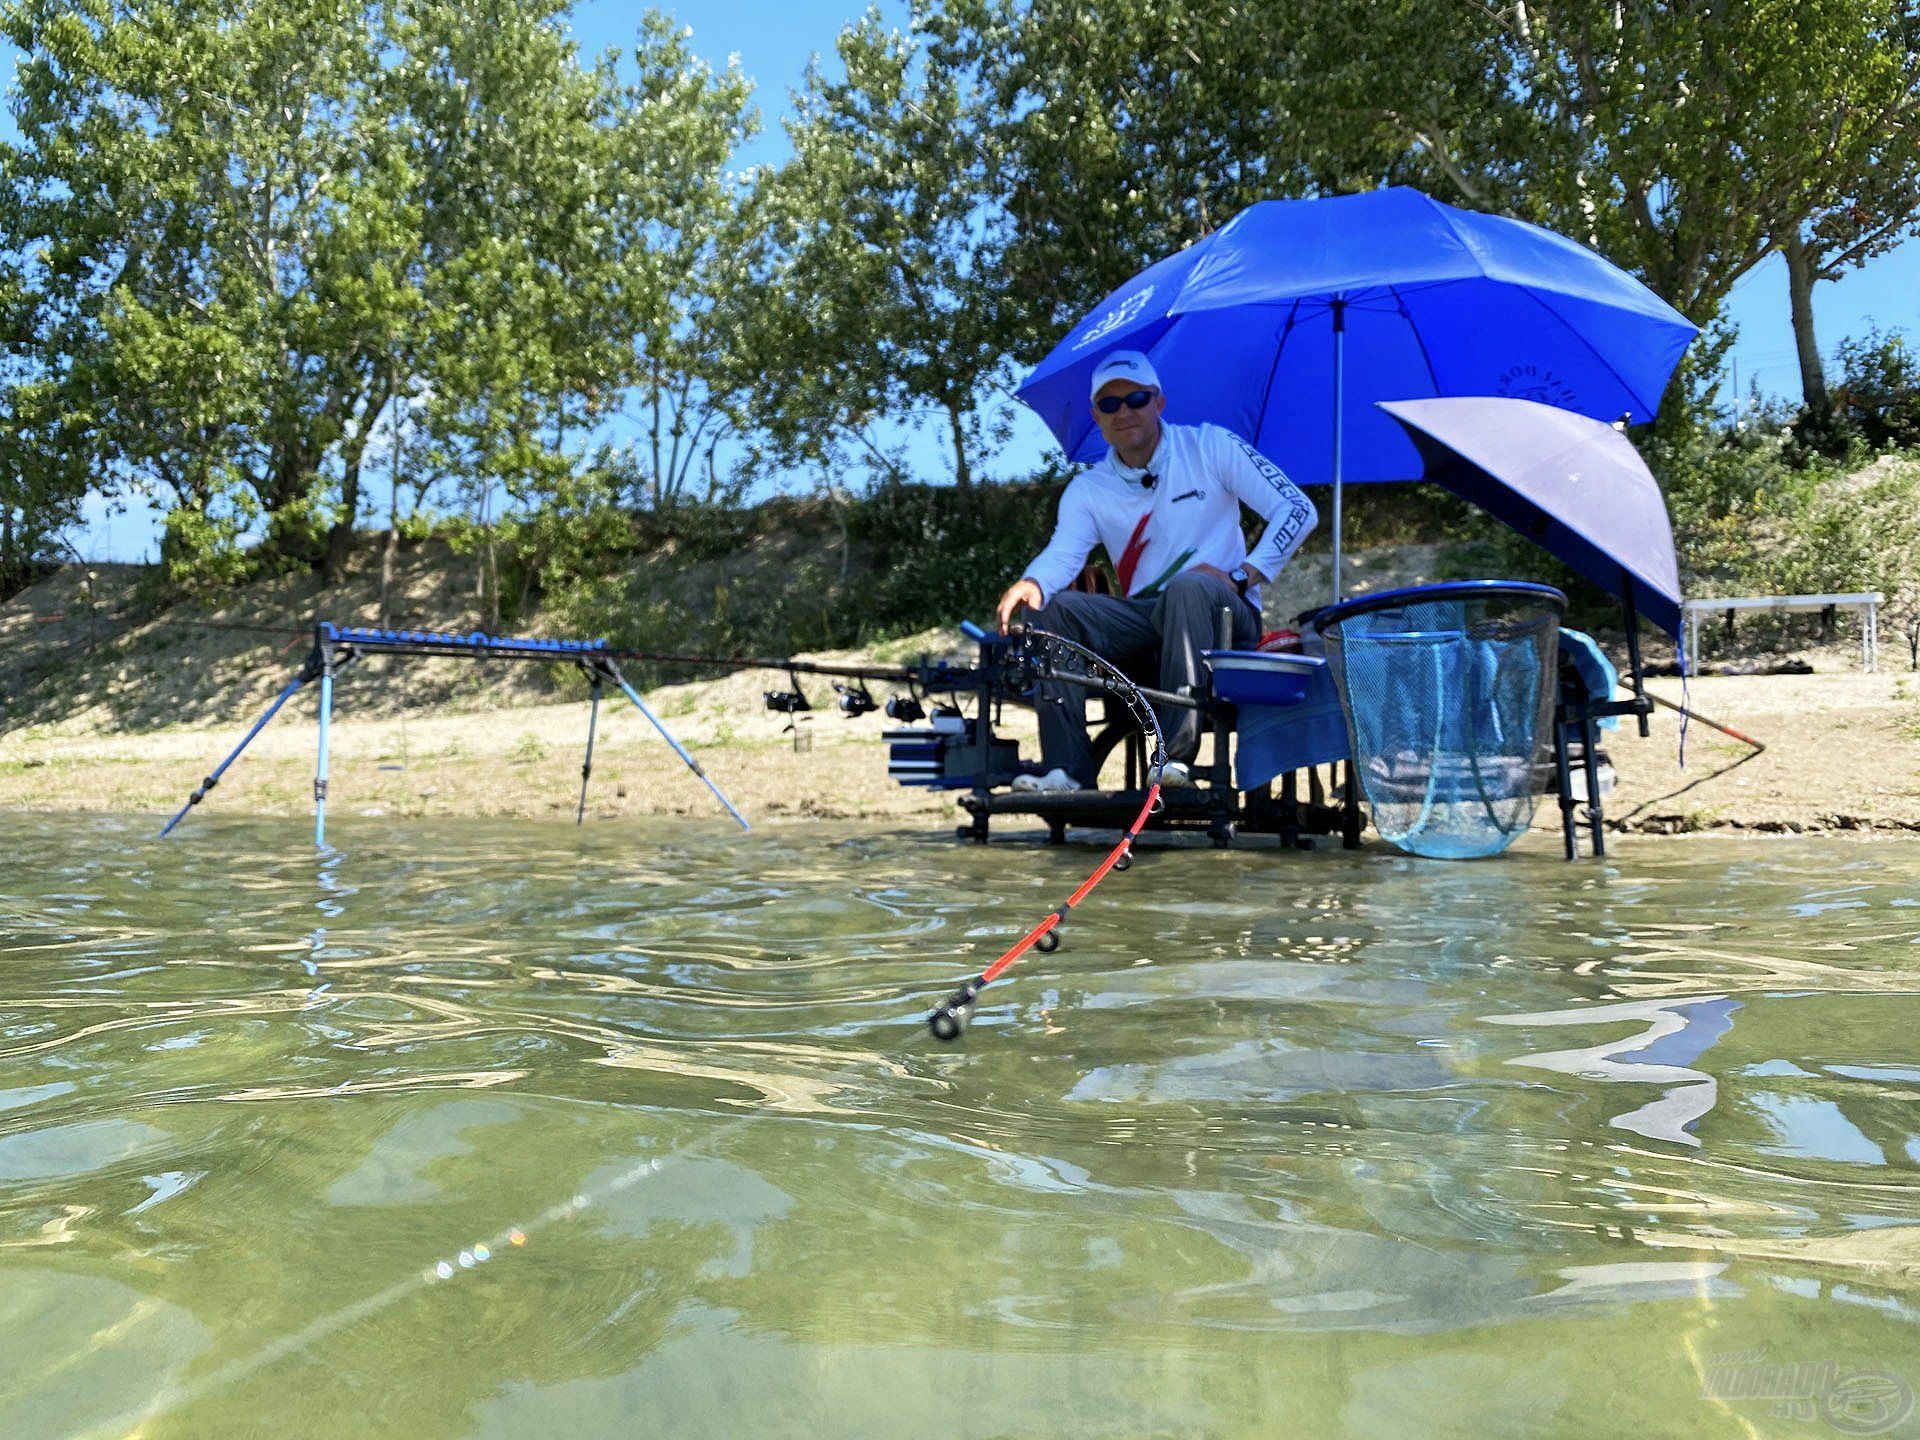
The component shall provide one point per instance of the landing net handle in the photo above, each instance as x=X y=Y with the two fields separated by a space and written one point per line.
x=1041 y=655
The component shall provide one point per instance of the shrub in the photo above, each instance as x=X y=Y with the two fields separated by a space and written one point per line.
x=1862 y=532
x=1878 y=397
x=936 y=554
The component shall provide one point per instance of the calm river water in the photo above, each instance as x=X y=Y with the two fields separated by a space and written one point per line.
x=511 y=1130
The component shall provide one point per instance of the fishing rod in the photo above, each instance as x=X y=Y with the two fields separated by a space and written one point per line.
x=897 y=673
x=1039 y=655
x=1758 y=745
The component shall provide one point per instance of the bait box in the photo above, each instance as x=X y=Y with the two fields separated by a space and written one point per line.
x=1261 y=677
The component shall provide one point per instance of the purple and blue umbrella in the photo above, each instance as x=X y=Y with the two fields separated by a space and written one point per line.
x=1289 y=322
x=1574 y=486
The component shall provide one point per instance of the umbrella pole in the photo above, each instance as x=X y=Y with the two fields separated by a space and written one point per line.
x=1339 y=411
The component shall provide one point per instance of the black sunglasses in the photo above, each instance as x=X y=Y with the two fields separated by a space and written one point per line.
x=1110 y=404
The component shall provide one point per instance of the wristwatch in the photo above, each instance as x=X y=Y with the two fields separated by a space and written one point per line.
x=1240 y=578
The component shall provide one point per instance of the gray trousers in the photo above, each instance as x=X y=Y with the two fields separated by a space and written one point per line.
x=1174 y=627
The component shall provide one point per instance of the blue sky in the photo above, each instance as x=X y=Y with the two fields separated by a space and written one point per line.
x=773 y=40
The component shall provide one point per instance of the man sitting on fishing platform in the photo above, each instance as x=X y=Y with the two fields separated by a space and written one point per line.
x=1165 y=503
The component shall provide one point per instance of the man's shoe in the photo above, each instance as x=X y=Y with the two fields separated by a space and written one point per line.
x=1176 y=776
x=1055 y=781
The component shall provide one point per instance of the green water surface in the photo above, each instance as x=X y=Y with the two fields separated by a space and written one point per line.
x=515 y=1130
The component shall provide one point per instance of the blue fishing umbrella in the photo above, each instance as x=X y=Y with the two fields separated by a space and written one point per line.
x=1287 y=324
x=1574 y=486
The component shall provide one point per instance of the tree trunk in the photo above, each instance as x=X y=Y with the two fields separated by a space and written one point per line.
x=339 y=548
x=340 y=534
x=490 y=583
x=1813 y=376
x=353 y=453
x=962 y=472
x=387 y=554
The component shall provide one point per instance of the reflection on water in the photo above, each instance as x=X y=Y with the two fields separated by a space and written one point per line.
x=499 y=1130
x=1676 y=1032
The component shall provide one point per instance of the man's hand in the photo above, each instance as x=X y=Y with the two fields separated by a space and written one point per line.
x=1022 y=592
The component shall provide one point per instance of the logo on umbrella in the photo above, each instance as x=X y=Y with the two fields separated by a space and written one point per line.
x=1125 y=313
x=1534 y=382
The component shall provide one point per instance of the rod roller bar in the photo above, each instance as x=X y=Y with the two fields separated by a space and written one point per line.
x=478 y=640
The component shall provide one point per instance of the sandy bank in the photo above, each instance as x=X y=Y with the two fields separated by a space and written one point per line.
x=1843 y=753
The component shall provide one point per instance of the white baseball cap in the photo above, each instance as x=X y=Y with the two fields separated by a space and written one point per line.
x=1124 y=365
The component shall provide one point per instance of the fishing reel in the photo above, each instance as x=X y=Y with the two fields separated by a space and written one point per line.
x=856 y=700
x=790 y=701
x=905 y=708
x=1025 y=664
x=950 y=1019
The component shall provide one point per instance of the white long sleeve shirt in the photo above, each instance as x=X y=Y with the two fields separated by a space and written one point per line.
x=1189 y=514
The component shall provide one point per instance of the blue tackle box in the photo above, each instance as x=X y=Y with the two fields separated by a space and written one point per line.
x=1261 y=677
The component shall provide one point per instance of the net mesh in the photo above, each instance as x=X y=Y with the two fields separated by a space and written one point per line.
x=1449 y=705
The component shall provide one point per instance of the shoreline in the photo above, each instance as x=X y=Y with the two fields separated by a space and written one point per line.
x=1843 y=756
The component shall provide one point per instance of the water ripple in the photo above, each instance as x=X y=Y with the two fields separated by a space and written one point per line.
x=278 y=1118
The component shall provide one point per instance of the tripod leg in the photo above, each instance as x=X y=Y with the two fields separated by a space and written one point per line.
x=320 y=768
x=221 y=769
x=691 y=763
x=586 y=769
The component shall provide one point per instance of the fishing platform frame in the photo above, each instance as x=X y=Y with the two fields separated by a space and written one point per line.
x=971 y=757
x=1212 y=803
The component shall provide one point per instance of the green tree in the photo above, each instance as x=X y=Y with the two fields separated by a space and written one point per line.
x=246 y=229
x=1867 y=200
x=1685 y=142
x=871 y=288
x=1878 y=399
x=194 y=198
x=1122 y=133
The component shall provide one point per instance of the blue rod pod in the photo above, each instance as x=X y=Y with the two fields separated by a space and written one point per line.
x=320 y=767
x=680 y=750
x=214 y=779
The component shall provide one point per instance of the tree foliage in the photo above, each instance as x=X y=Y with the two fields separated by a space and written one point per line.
x=243 y=230
x=251 y=253
x=872 y=289
x=1124 y=132
x=1685 y=142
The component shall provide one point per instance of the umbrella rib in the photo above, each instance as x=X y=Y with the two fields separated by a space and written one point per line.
x=1397 y=292
x=1418 y=339
x=1266 y=393
x=1593 y=350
